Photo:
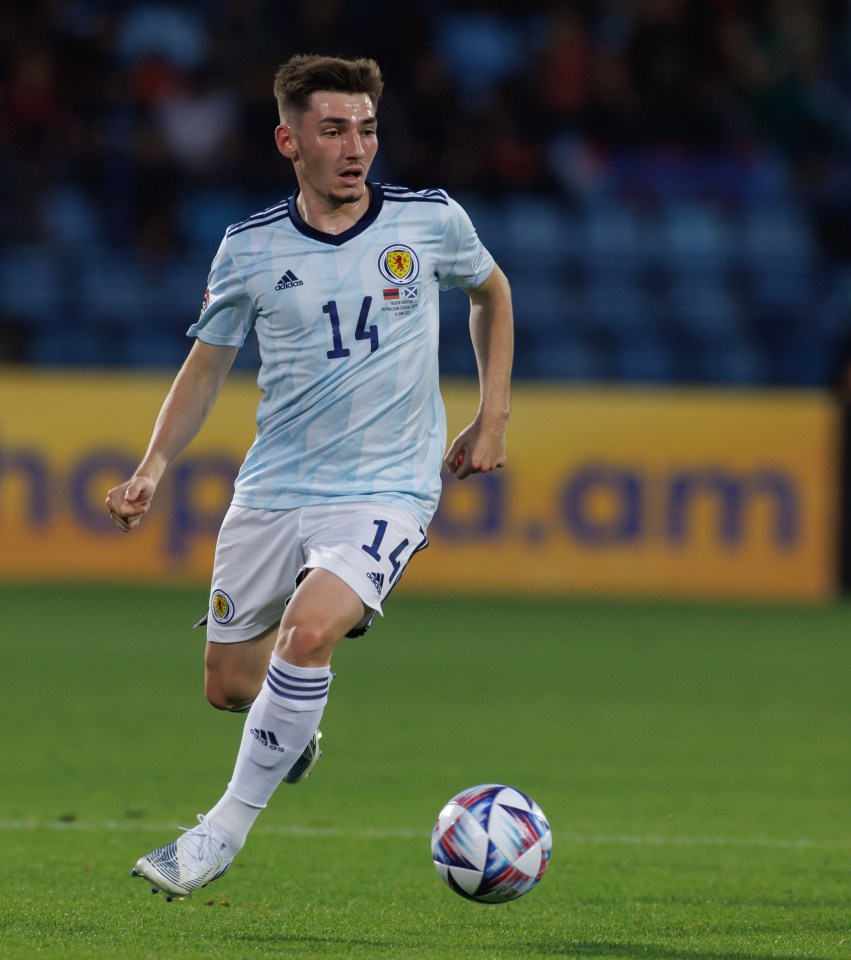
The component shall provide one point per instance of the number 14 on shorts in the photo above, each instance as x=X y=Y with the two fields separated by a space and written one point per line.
x=374 y=551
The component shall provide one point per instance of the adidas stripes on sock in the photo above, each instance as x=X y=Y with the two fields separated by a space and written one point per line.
x=278 y=727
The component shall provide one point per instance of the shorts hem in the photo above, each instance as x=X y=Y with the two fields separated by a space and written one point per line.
x=345 y=573
x=218 y=633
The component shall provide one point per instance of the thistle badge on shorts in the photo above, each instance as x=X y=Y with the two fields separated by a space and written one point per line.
x=399 y=264
x=221 y=607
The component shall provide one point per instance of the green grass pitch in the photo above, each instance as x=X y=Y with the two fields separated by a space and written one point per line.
x=693 y=761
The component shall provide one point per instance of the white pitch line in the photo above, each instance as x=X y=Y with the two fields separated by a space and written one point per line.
x=141 y=826
x=661 y=840
x=368 y=833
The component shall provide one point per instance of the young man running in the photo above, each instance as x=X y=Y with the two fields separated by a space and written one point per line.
x=341 y=283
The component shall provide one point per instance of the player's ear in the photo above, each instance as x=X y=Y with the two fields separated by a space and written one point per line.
x=285 y=140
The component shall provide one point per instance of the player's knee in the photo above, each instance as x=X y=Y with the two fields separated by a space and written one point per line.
x=224 y=694
x=305 y=644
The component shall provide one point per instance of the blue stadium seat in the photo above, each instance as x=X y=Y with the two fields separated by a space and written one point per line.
x=454 y=312
x=486 y=214
x=611 y=239
x=618 y=305
x=182 y=284
x=207 y=214
x=541 y=304
x=49 y=348
x=565 y=355
x=456 y=355
x=778 y=236
x=799 y=359
x=478 y=47
x=696 y=238
x=34 y=286
x=539 y=234
x=733 y=361
x=113 y=288
x=777 y=290
x=78 y=346
x=643 y=358
x=704 y=310
x=70 y=217
x=156 y=349
x=832 y=308
x=456 y=351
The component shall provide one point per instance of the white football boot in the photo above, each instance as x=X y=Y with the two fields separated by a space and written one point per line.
x=300 y=770
x=188 y=863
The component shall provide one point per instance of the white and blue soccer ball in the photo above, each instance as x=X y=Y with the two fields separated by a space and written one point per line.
x=491 y=843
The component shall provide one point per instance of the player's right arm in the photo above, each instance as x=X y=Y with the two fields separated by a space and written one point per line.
x=182 y=415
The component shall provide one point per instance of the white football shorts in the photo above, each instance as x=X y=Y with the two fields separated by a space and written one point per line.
x=261 y=556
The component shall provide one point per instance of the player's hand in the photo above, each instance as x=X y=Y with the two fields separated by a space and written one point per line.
x=130 y=501
x=477 y=449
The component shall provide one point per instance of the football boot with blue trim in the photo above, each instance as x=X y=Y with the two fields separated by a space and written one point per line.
x=188 y=863
x=301 y=769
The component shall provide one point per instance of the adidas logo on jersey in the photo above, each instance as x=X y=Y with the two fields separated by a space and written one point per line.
x=289 y=279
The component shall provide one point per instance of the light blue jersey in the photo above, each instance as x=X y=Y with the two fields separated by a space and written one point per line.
x=348 y=332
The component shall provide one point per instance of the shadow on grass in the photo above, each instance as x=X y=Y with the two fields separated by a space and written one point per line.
x=636 y=951
x=627 y=951
x=311 y=940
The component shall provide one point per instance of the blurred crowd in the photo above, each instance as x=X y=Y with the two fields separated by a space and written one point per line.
x=119 y=109
x=129 y=126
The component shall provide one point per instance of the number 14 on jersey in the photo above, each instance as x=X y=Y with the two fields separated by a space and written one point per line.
x=362 y=332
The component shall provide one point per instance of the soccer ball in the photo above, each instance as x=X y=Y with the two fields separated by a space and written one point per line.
x=491 y=843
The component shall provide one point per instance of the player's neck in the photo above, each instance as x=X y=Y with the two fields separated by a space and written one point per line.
x=330 y=217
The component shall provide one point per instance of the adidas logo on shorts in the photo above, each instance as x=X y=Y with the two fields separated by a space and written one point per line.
x=377 y=580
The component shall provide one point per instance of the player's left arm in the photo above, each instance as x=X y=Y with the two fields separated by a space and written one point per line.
x=480 y=447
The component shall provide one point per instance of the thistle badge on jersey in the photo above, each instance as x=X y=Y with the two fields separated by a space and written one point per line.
x=221 y=607
x=399 y=264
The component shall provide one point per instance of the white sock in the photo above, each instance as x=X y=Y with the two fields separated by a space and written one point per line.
x=278 y=727
x=234 y=817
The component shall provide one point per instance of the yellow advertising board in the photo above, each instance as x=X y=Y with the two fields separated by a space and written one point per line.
x=650 y=492
x=637 y=492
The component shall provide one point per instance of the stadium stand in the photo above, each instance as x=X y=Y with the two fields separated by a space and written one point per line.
x=665 y=183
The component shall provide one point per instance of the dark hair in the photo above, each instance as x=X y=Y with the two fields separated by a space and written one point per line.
x=305 y=74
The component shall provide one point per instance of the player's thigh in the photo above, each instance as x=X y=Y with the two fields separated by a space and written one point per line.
x=355 y=554
x=322 y=611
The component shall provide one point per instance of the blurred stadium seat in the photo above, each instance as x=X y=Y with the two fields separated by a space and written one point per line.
x=636 y=250
x=644 y=359
x=697 y=239
x=611 y=239
x=779 y=235
x=538 y=237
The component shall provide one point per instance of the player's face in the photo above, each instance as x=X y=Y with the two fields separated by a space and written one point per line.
x=333 y=146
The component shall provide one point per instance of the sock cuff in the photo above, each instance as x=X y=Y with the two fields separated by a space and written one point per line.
x=247 y=798
x=305 y=673
x=303 y=688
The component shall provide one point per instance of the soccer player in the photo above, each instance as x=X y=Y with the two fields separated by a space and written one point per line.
x=341 y=283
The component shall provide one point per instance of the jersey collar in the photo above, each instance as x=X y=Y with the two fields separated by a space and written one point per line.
x=337 y=239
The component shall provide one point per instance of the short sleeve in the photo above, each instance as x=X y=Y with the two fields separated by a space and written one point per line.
x=227 y=313
x=464 y=261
